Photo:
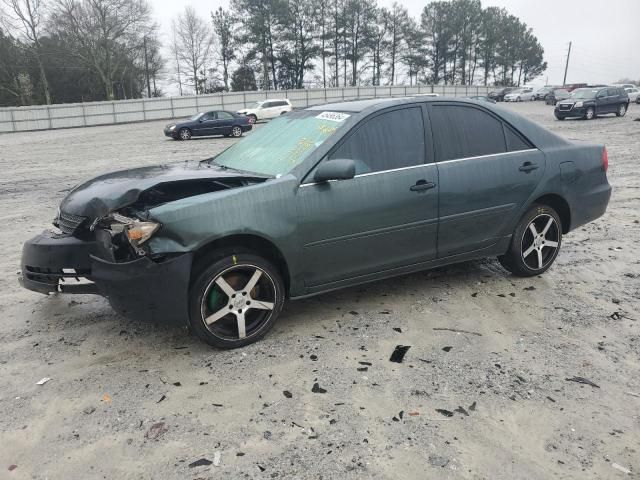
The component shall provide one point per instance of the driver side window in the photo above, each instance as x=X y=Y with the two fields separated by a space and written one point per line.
x=388 y=141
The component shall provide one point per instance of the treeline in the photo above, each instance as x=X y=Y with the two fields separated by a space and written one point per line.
x=77 y=50
x=104 y=49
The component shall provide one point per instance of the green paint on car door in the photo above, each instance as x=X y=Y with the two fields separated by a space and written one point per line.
x=386 y=216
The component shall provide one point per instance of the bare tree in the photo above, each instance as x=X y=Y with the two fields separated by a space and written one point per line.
x=193 y=43
x=174 y=53
x=26 y=16
x=103 y=33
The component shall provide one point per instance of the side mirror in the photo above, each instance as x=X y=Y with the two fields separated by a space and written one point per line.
x=341 y=169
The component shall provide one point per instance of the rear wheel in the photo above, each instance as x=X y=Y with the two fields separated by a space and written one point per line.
x=535 y=243
x=236 y=131
x=622 y=109
x=185 y=134
x=235 y=300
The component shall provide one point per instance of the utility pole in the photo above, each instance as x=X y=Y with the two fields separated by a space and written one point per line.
x=566 y=67
x=146 y=67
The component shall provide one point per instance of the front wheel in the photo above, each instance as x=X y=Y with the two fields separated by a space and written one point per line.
x=590 y=114
x=235 y=300
x=185 y=134
x=622 y=109
x=535 y=243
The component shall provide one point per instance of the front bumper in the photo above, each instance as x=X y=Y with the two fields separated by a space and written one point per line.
x=171 y=133
x=577 y=112
x=145 y=289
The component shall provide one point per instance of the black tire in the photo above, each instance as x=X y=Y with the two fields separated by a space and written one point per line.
x=622 y=110
x=559 y=117
x=207 y=298
x=236 y=131
x=542 y=250
x=184 y=134
x=590 y=113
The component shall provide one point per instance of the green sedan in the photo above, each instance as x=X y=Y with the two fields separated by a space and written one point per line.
x=320 y=199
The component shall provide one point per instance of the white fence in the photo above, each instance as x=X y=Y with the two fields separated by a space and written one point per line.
x=45 y=117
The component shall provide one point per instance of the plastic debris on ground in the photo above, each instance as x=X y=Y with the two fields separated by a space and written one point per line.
x=317 y=388
x=203 y=462
x=398 y=354
x=583 y=381
x=43 y=381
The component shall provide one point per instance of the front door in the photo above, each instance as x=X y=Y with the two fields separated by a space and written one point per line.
x=385 y=217
x=487 y=172
x=206 y=125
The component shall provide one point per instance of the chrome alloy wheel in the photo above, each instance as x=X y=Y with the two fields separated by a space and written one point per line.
x=540 y=242
x=185 y=134
x=236 y=131
x=238 y=302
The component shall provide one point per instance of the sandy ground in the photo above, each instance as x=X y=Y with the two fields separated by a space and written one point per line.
x=130 y=400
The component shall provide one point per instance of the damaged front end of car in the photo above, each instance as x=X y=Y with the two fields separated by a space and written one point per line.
x=101 y=244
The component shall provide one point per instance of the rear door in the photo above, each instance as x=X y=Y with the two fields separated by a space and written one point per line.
x=224 y=123
x=268 y=110
x=487 y=171
x=385 y=217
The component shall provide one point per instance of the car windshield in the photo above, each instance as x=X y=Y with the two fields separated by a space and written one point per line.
x=196 y=116
x=283 y=143
x=584 y=93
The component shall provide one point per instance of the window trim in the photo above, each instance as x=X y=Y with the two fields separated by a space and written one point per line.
x=426 y=164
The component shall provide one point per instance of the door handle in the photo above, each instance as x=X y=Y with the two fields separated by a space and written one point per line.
x=528 y=166
x=422 y=185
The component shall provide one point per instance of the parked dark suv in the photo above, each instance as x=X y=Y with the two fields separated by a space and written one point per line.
x=588 y=103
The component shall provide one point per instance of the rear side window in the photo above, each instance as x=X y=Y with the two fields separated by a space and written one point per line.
x=224 y=116
x=390 y=140
x=463 y=132
x=515 y=142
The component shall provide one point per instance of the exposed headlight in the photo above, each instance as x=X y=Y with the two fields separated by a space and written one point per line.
x=139 y=232
x=172 y=128
x=579 y=104
x=136 y=231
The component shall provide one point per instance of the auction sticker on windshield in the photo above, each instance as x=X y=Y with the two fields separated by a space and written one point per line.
x=333 y=116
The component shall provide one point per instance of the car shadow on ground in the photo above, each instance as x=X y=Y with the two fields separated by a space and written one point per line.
x=62 y=311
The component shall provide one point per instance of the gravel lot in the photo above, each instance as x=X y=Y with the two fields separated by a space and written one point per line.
x=130 y=400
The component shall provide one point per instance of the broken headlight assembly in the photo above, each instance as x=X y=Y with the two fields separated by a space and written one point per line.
x=135 y=231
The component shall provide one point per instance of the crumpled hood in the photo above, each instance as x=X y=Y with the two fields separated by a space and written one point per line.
x=106 y=193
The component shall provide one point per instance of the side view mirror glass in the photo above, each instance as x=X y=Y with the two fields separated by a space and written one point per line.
x=339 y=169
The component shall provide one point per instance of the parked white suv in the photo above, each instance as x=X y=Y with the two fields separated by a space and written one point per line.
x=520 y=94
x=266 y=109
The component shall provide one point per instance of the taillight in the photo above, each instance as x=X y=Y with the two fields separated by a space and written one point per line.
x=605 y=159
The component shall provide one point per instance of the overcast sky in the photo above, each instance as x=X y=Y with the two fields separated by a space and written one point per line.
x=605 y=35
